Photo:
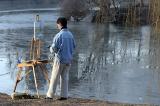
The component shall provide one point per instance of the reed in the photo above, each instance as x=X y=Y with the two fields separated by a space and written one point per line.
x=154 y=14
x=134 y=15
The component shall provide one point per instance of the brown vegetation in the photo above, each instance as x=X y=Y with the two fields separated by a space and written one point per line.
x=154 y=14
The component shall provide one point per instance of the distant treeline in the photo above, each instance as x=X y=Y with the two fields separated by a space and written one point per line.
x=25 y=4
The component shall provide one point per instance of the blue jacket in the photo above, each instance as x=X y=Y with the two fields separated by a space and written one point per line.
x=64 y=45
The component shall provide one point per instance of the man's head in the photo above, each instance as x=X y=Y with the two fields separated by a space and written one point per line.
x=61 y=22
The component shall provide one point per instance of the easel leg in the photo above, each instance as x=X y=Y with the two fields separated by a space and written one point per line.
x=44 y=70
x=18 y=79
x=35 y=80
x=15 y=86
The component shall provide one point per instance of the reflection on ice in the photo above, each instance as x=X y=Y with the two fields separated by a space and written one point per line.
x=6 y=80
x=114 y=59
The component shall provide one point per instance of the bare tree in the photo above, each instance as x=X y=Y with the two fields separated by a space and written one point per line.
x=102 y=14
x=104 y=10
x=75 y=8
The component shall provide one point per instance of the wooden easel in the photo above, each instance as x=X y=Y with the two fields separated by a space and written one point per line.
x=35 y=61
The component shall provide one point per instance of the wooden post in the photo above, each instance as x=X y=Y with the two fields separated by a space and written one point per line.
x=39 y=49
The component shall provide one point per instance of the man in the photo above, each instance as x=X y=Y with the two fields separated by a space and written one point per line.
x=63 y=47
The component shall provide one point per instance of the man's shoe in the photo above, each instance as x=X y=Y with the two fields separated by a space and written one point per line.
x=62 y=98
x=48 y=98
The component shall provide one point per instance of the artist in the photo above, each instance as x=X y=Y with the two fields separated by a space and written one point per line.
x=63 y=47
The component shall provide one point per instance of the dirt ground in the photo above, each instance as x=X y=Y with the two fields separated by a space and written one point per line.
x=5 y=100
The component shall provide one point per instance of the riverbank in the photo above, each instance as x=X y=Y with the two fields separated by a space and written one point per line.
x=5 y=100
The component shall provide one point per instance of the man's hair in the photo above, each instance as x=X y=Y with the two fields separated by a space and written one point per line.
x=62 y=21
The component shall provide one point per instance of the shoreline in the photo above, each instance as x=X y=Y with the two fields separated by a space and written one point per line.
x=33 y=10
x=5 y=100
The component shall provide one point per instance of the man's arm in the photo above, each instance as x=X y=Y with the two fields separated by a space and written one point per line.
x=54 y=47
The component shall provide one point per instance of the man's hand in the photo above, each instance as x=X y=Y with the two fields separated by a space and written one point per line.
x=51 y=49
x=49 y=46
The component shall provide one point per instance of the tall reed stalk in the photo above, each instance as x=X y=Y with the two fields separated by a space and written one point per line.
x=154 y=14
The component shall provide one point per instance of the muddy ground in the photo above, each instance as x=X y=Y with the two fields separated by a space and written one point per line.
x=5 y=100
